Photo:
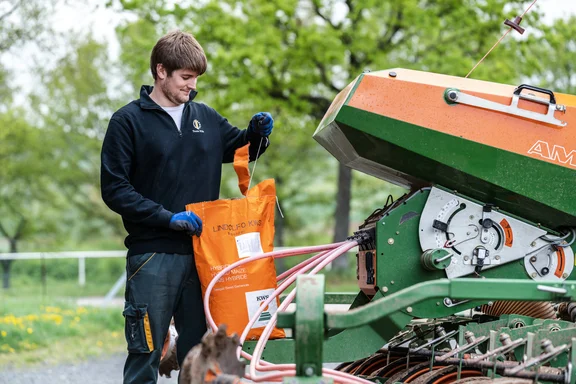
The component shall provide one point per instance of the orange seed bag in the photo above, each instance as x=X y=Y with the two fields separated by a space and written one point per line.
x=234 y=229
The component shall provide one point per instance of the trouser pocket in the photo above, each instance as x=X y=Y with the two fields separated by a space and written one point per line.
x=137 y=328
x=135 y=263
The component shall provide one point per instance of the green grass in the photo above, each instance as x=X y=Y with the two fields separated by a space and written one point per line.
x=36 y=330
x=67 y=350
x=41 y=323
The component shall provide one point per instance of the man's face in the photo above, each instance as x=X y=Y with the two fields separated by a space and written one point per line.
x=177 y=86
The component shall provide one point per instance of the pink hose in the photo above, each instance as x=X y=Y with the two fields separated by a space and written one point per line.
x=329 y=253
x=299 y=266
x=286 y=368
x=276 y=254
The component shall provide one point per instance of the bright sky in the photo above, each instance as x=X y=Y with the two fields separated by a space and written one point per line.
x=95 y=17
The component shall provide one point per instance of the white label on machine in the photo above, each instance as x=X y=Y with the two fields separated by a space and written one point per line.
x=254 y=300
x=249 y=244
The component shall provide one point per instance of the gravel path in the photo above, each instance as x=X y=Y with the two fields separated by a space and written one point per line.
x=102 y=370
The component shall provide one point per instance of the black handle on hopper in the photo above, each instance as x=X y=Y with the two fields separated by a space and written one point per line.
x=536 y=89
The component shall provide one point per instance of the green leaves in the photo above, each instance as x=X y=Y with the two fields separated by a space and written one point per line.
x=291 y=57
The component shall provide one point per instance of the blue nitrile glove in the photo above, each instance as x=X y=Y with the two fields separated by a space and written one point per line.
x=261 y=123
x=186 y=221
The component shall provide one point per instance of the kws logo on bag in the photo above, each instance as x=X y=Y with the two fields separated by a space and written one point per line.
x=254 y=301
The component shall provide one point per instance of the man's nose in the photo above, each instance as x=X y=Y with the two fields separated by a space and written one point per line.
x=192 y=84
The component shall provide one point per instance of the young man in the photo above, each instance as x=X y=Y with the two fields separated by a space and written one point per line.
x=160 y=153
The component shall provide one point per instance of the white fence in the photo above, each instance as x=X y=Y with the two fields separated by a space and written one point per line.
x=82 y=256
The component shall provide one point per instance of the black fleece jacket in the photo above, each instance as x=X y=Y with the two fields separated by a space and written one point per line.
x=150 y=170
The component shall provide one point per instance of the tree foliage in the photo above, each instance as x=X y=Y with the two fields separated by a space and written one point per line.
x=21 y=22
x=289 y=57
x=292 y=56
x=49 y=181
x=75 y=107
x=551 y=59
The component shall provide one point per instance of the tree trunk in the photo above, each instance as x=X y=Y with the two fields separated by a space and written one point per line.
x=342 y=215
x=279 y=241
x=279 y=234
x=7 y=264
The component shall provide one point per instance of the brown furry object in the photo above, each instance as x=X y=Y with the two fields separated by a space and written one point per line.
x=213 y=360
x=168 y=361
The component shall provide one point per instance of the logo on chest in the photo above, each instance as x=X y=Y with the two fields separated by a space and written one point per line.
x=197 y=126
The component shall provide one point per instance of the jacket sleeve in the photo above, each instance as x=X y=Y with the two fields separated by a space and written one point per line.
x=117 y=191
x=234 y=138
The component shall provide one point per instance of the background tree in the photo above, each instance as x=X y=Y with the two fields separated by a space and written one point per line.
x=49 y=181
x=292 y=56
x=550 y=56
x=23 y=184
x=21 y=22
x=75 y=106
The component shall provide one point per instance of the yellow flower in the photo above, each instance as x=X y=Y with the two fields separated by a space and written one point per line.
x=99 y=343
x=114 y=334
x=29 y=330
x=4 y=333
x=76 y=319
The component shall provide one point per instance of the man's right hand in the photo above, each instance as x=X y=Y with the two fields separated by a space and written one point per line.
x=186 y=221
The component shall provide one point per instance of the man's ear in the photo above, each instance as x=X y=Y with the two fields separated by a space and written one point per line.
x=161 y=72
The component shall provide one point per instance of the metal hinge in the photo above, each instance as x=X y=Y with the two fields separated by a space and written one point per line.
x=454 y=96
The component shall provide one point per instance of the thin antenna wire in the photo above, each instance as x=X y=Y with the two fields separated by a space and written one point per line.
x=255 y=161
x=499 y=40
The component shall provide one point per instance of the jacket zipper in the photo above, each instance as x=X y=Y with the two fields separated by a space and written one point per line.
x=172 y=120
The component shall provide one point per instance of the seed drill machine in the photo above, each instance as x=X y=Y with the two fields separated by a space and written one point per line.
x=470 y=275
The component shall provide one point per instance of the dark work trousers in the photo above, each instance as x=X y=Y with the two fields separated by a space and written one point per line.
x=159 y=286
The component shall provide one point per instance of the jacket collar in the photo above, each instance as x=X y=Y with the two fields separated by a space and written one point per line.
x=147 y=102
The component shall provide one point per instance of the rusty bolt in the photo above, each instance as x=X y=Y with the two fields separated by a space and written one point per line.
x=505 y=339
x=547 y=345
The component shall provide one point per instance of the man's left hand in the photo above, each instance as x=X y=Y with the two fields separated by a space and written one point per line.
x=261 y=123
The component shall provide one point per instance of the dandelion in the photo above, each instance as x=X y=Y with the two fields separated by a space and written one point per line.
x=29 y=330
x=99 y=343
x=77 y=319
x=4 y=333
x=81 y=310
x=114 y=334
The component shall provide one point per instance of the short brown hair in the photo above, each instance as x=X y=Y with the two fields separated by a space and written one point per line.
x=178 y=50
